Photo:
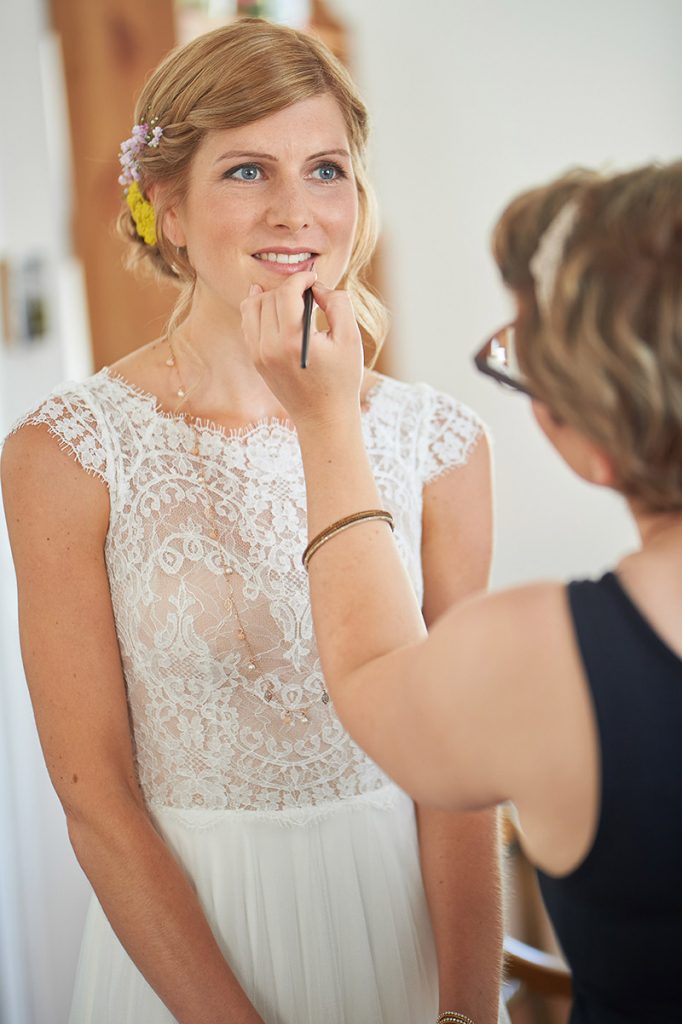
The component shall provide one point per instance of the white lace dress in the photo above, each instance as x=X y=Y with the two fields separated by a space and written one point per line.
x=304 y=855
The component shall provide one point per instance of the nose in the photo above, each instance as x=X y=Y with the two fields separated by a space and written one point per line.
x=288 y=207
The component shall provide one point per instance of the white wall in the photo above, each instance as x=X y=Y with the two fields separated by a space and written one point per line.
x=473 y=102
x=42 y=890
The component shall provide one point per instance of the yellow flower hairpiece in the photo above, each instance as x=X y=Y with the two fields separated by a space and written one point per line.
x=142 y=213
x=140 y=208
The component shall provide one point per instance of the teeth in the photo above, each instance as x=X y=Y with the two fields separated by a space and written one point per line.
x=283 y=257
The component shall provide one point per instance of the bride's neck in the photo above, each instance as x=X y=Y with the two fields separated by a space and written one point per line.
x=216 y=367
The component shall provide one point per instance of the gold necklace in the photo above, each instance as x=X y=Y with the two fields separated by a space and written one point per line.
x=253 y=664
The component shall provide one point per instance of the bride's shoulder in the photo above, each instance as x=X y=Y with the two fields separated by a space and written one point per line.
x=375 y=384
x=429 y=403
x=51 y=463
x=71 y=420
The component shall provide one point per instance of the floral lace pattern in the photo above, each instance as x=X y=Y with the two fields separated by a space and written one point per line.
x=208 y=731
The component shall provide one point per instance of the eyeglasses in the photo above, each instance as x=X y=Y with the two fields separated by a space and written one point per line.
x=498 y=359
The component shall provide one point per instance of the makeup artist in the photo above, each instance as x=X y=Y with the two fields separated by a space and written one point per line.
x=566 y=700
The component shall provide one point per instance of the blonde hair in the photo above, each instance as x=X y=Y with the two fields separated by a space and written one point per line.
x=231 y=77
x=606 y=353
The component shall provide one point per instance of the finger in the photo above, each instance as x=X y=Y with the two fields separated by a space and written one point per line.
x=297 y=283
x=338 y=309
x=289 y=299
x=321 y=293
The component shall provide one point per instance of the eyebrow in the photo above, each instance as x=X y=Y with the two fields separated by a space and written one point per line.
x=237 y=154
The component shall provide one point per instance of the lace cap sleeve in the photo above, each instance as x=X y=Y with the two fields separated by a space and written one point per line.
x=72 y=419
x=450 y=433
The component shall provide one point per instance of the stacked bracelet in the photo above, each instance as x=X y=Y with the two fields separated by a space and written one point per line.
x=344 y=524
x=451 y=1017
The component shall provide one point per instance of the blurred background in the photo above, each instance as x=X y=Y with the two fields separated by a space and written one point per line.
x=472 y=101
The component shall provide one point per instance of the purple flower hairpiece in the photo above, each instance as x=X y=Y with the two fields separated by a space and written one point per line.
x=143 y=135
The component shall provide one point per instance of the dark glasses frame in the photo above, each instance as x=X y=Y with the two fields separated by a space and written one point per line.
x=491 y=367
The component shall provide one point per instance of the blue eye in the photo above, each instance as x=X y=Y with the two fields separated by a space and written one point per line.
x=329 y=172
x=245 y=172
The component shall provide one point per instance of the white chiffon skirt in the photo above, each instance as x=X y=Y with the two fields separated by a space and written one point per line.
x=320 y=913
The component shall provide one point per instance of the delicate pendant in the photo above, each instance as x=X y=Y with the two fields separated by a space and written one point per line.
x=180 y=392
x=170 y=361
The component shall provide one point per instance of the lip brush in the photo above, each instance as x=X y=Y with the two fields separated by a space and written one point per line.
x=307 y=317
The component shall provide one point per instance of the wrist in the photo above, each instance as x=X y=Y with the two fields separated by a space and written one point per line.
x=329 y=427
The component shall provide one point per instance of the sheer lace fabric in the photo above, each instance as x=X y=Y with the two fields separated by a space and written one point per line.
x=206 y=733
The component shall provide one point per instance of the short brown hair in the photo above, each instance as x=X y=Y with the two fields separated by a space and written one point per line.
x=606 y=355
x=230 y=77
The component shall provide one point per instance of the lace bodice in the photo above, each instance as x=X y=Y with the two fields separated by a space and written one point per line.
x=208 y=731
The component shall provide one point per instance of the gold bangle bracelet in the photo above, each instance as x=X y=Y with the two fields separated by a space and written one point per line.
x=344 y=524
x=452 y=1017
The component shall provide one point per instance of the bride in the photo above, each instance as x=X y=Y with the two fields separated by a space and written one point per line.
x=249 y=862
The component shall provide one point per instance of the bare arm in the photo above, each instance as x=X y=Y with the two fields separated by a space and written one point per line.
x=460 y=853
x=491 y=701
x=57 y=518
x=492 y=706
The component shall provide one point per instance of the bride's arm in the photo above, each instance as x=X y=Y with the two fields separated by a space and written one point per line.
x=57 y=518
x=460 y=853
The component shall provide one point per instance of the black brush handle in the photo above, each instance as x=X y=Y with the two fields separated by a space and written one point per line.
x=307 y=317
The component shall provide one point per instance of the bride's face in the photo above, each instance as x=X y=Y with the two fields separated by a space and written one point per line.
x=269 y=199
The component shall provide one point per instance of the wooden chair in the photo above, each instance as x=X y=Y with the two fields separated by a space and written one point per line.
x=537 y=984
x=536 y=971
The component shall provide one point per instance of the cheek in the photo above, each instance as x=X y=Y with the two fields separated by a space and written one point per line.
x=547 y=420
x=218 y=221
x=344 y=221
x=549 y=427
x=540 y=414
x=352 y=214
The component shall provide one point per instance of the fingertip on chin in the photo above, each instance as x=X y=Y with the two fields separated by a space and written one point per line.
x=320 y=291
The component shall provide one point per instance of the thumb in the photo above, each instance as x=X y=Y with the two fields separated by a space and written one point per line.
x=322 y=294
x=337 y=307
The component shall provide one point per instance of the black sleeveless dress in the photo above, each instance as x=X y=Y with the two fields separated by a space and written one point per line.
x=618 y=916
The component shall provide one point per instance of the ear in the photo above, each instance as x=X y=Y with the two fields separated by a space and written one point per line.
x=172 y=224
x=599 y=468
